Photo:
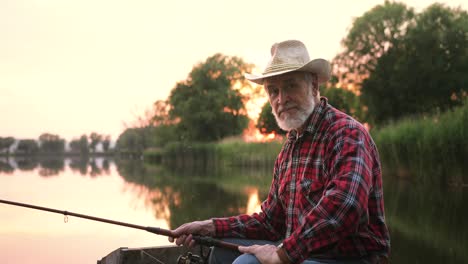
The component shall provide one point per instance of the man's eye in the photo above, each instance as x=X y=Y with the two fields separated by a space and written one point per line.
x=273 y=91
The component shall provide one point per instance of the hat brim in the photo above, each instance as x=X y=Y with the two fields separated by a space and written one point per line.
x=320 y=67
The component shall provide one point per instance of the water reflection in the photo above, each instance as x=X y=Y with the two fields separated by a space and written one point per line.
x=122 y=190
x=427 y=215
x=187 y=198
x=6 y=167
x=45 y=237
x=53 y=166
x=27 y=164
x=425 y=209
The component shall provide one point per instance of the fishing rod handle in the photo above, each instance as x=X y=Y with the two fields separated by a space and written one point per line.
x=210 y=241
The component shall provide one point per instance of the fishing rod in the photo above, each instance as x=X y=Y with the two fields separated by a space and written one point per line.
x=202 y=240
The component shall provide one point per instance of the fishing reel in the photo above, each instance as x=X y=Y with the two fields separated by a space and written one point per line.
x=189 y=258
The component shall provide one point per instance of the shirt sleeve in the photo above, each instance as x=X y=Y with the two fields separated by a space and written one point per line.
x=344 y=201
x=269 y=224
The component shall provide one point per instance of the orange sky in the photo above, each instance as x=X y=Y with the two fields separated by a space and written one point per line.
x=73 y=67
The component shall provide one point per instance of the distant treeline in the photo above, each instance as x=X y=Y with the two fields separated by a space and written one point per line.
x=51 y=144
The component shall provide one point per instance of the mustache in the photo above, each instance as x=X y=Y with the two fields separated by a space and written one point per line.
x=282 y=108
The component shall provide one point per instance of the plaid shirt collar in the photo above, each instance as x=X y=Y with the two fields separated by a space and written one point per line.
x=313 y=122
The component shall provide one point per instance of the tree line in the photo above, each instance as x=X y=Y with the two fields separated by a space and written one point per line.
x=394 y=63
x=48 y=143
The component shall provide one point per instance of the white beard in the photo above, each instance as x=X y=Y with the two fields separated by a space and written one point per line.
x=289 y=121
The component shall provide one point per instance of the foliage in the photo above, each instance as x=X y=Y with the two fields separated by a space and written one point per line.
x=426 y=71
x=345 y=101
x=135 y=140
x=106 y=140
x=160 y=115
x=6 y=143
x=371 y=35
x=266 y=123
x=163 y=134
x=50 y=143
x=80 y=145
x=426 y=142
x=95 y=140
x=206 y=106
x=224 y=154
x=239 y=153
x=27 y=147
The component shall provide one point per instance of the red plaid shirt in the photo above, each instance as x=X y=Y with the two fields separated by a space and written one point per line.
x=326 y=197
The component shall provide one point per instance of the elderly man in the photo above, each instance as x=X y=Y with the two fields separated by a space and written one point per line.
x=325 y=203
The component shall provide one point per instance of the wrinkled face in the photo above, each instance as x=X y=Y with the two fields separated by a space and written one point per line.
x=291 y=99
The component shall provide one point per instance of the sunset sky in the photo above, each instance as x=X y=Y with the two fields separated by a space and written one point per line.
x=72 y=67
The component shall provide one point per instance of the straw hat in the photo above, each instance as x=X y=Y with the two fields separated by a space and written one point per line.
x=290 y=56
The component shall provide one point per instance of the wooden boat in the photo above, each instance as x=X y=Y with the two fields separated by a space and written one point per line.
x=161 y=255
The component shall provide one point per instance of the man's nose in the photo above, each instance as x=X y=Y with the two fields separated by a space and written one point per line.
x=282 y=96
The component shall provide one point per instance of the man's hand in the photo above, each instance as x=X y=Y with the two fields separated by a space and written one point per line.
x=266 y=254
x=183 y=234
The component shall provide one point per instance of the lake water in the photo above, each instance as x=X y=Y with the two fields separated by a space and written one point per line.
x=426 y=220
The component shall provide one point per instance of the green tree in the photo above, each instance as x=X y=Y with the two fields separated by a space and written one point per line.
x=106 y=143
x=426 y=71
x=6 y=143
x=80 y=145
x=160 y=114
x=266 y=123
x=344 y=100
x=84 y=145
x=27 y=147
x=134 y=140
x=206 y=106
x=370 y=37
x=95 y=140
x=74 y=146
x=50 y=143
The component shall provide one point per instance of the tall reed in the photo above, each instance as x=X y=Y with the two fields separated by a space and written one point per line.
x=425 y=144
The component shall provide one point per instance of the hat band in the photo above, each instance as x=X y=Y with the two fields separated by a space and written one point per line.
x=282 y=67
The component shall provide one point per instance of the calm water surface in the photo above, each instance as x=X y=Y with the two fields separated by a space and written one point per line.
x=427 y=221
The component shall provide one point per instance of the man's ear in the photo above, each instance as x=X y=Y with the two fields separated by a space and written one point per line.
x=315 y=85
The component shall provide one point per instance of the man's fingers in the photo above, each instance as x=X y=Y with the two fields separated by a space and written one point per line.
x=243 y=249
x=192 y=243
x=180 y=240
x=250 y=249
x=179 y=231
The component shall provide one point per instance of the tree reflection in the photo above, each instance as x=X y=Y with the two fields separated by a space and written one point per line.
x=51 y=166
x=79 y=164
x=27 y=163
x=95 y=169
x=106 y=166
x=426 y=217
x=5 y=167
x=182 y=198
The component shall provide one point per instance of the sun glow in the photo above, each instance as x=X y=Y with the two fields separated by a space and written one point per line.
x=252 y=134
x=254 y=203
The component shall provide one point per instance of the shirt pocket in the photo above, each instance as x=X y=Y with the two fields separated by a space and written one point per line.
x=311 y=192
